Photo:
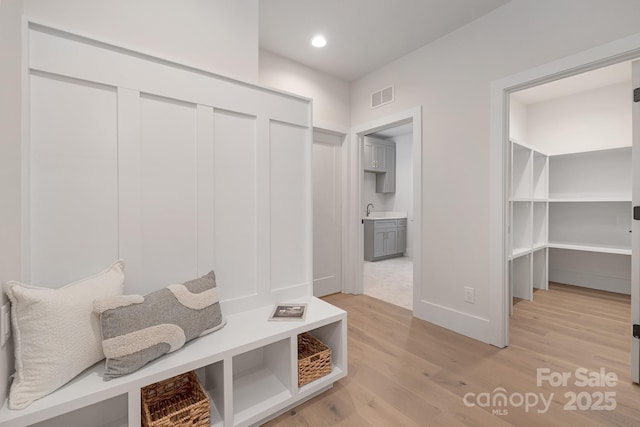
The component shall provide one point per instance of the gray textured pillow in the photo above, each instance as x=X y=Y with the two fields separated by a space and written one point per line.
x=137 y=329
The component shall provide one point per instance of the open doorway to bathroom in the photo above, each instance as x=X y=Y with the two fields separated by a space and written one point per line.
x=387 y=212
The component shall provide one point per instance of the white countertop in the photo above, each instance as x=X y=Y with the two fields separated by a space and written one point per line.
x=385 y=215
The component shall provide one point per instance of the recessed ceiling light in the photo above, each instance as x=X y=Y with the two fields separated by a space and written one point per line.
x=319 y=41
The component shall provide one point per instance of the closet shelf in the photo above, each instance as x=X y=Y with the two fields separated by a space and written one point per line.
x=620 y=250
x=589 y=199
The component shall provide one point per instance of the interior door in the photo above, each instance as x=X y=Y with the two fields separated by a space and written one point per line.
x=327 y=250
x=635 y=257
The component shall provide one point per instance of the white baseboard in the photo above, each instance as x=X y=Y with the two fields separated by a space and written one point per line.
x=463 y=323
x=592 y=281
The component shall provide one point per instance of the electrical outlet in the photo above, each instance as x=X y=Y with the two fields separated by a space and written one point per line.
x=469 y=295
x=5 y=324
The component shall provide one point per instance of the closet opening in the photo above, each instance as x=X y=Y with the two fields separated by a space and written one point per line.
x=569 y=217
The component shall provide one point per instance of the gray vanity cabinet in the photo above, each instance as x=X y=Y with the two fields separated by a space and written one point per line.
x=384 y=238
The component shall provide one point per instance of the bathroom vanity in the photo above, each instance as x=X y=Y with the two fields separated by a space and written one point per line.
x=385 y=235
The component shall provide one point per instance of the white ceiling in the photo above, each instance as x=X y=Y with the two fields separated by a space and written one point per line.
x=601 y=77
x=362 y=35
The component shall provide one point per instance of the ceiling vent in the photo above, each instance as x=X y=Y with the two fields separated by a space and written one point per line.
x=382 y=97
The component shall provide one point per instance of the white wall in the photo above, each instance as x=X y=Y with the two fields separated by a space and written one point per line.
x=382 y=202
x=10 y=182
x=331 y=103
x=517 y=121
x=451 y=79
x=591 y=120
x=220 y=36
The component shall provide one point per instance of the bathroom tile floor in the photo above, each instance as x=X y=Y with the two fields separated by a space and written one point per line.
x=390 y=280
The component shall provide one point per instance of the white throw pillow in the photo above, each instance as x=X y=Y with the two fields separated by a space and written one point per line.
x=56 y=334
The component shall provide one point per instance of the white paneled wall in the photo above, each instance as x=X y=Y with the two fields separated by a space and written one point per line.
x=236 y=203
x=289 y=266
x=176 y=171
x=74 y=179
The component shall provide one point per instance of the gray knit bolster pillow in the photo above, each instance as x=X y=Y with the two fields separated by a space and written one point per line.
x=137 y=329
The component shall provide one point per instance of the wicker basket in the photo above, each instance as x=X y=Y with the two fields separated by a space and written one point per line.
x=314 y=359
x=175 y=402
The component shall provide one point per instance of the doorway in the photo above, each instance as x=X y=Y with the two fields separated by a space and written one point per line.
x=357 y=207
x=569 y=214
x=611 y=53
x=388 y=214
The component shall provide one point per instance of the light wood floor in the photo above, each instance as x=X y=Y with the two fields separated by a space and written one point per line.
x=407 y=372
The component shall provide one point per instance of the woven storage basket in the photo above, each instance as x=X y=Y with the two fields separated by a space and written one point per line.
x=314 y=359
x=176 y=402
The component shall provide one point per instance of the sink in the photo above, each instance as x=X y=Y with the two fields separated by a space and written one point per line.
x=386 y=215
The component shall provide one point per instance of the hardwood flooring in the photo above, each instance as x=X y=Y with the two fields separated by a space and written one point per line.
x=407 y=372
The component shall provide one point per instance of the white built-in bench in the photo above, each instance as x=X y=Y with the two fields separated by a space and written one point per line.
x=249 y=369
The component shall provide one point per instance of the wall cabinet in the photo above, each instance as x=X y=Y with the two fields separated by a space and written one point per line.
x=380 y=158
x=579 y=202
x=384 y=238
x=386 y=182
x=375 y=155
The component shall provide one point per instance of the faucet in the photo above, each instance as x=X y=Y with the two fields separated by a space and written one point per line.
x=368 y=210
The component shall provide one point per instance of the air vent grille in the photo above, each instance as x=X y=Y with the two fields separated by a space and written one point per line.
x=382 y=97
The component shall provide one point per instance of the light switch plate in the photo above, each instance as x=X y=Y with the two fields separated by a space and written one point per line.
x=469 y=295
x=5 y=324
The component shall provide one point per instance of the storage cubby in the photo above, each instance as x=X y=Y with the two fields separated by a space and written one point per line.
x=521 y=277
x=593 y=175
x=212 y=379
x=540 y=187
x=539 y=271
x=600 y=226
x=520 y=172
x=107 y=413
x=331 y=336
x=521 y=228
x=597 y=270
x=539 y=224
x=261 y=379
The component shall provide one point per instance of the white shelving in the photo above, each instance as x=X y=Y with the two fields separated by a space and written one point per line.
x=578 y=202
x=521 y=277
x=539 y=270
x=261 y=380
x=521 y=227
x=592 y=175
x=591 y=224
x=249 y=369
x=529 y=217
x=521 y=177
x=540 y=176
x=540 y=215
